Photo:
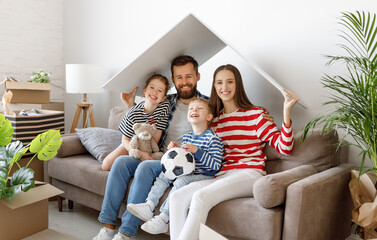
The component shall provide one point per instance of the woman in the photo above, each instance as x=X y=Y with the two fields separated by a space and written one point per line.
x=245 y=132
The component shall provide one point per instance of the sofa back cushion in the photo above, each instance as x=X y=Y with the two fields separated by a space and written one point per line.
x=116 y=116
x=317 y=150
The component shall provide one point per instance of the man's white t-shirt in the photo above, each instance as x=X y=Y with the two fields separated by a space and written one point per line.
x=178 y=125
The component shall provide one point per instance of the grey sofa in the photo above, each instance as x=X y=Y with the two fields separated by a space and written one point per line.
x=304 y=196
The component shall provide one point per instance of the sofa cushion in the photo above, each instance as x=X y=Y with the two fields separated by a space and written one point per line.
x=270 y=190
x=80 y=170
x=116 y=116
x=99 y=141
x=317 y=150
x=71 y=146
x=244 y=218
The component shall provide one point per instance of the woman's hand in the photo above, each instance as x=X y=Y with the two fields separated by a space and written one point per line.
x=129 y=98
x=172 y=145
x=190 y=147
x=145 y=156
x=290 y=99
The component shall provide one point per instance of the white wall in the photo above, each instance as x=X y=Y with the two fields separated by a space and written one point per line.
x=31 y=38
x=286 y=38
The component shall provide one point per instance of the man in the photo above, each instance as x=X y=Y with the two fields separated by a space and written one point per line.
x=185 y=76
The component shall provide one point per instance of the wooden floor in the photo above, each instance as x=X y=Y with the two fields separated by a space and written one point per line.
x=78 y=224
x=81 y=223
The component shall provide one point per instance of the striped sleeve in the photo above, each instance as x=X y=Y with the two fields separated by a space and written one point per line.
x=162 y=115
x=127 y=123
x=282 y=140
x=213 y=157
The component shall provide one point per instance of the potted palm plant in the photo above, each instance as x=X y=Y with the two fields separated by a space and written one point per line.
x=44 y=146
x=354 y=98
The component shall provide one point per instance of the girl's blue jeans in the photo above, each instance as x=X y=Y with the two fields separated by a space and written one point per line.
x=123 y=169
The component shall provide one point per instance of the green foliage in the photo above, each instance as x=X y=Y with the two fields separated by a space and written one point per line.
x=45 y=146
x=40 y=77
x=355 y=95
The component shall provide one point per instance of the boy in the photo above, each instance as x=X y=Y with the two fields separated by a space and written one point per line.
x=207 y=149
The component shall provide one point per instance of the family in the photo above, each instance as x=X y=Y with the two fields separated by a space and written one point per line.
x=226 y=134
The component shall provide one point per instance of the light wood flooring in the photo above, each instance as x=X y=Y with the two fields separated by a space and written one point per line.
x=80 y=223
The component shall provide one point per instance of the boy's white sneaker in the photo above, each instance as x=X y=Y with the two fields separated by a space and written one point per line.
x=156 y=225
x=120 y=236
x=105 y=234
x=141 y=210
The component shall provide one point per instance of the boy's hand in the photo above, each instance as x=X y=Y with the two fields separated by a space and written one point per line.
x=190 y=147
x=172 y=145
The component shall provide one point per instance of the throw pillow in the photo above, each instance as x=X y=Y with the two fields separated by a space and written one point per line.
x=99 y=141
x=270 y=190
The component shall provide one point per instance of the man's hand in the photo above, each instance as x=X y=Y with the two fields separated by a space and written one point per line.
x=145 y=156
x=129 y=98
x=172 y=145
x=190 y=147
x=268 y=117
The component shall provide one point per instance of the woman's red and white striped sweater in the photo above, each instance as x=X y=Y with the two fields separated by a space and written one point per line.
x=244 y=134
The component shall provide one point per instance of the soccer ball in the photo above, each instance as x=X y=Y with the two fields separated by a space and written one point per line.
x=177 y=162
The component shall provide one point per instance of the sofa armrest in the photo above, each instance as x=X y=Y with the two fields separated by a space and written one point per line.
x=71 y=146
x=270 y=190
x=319 y=206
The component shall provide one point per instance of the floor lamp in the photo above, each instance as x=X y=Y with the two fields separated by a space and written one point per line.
x=84 y=78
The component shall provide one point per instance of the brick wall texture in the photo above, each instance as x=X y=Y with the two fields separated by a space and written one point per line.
x=31 y=38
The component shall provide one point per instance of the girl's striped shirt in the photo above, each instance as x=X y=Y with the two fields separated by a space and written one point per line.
x=245 y=133
x=136 y=114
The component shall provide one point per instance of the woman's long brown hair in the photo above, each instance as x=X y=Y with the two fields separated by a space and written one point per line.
x=241 y=99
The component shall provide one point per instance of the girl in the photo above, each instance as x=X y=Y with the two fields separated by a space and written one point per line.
x=153 y=110
x=244 y=133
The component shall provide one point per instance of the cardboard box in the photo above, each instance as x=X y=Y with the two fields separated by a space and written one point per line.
x=29 y=92
x=207 y=233
x=26 y=213
x=26 y=128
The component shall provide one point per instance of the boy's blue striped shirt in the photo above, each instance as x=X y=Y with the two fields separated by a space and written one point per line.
x=210 y=151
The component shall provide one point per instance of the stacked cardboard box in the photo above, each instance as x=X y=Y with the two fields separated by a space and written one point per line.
x=26 y=213
x=28 y=92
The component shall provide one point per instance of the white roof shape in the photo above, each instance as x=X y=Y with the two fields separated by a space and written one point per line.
x=188 y=37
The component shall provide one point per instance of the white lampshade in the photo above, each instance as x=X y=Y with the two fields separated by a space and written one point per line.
x=84 y=78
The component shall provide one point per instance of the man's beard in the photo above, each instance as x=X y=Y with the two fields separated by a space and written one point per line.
x=186 y=94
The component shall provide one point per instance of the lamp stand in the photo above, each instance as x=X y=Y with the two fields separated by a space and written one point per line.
x=86 y=107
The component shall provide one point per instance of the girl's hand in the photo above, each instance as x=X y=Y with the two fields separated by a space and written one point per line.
x=145 y=156
x=290 y=100
x=190 y=147
x=172 y=145
x=129 y=98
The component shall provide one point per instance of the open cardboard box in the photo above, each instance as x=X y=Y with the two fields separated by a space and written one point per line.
x=27 y=212
x=29 y=92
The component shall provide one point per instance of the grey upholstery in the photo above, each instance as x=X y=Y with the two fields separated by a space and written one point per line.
x=313 y=206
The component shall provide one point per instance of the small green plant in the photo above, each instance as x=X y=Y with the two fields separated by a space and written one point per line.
x=45 y=147
x=355 y=92
x=40 y=77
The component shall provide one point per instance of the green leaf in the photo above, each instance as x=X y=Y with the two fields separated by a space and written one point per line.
x=3 y=178
x=22 y=180
x=46 y=144
x=6 y=131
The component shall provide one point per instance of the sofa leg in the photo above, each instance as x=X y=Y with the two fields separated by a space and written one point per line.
x=60 y=203
x=70 y=204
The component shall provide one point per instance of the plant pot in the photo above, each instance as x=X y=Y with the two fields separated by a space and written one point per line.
x=364 y=213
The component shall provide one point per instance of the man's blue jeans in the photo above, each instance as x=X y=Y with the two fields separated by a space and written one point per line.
x=123 y=169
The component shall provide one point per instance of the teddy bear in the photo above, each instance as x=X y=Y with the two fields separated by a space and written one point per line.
x=143 y=141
